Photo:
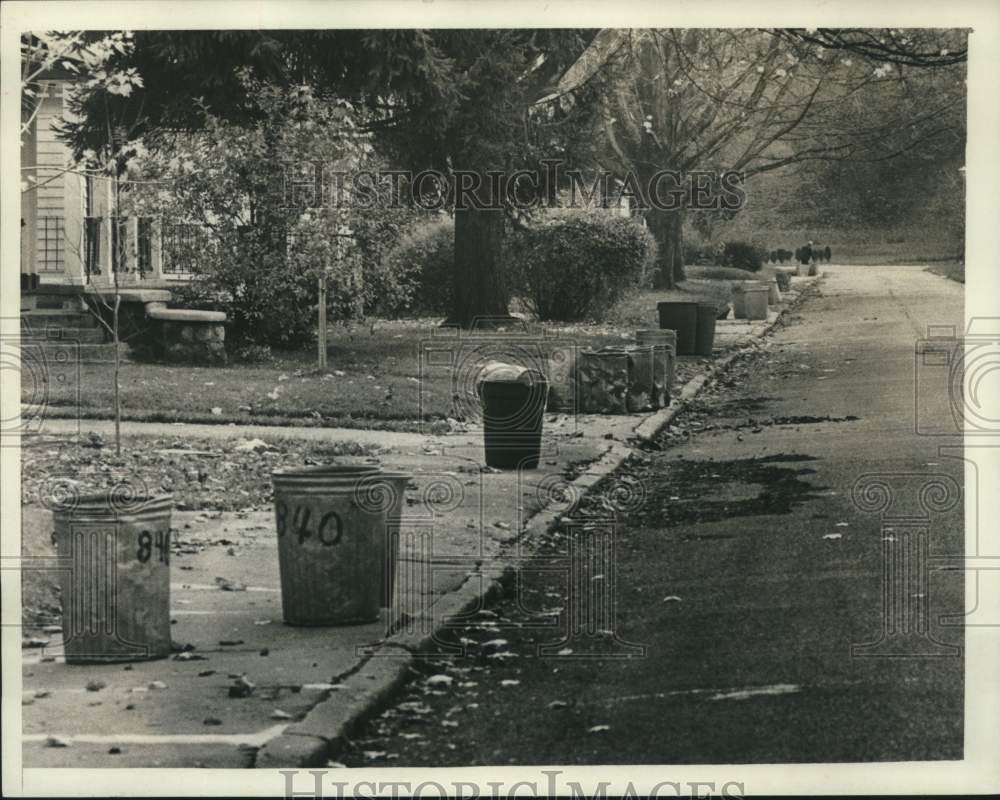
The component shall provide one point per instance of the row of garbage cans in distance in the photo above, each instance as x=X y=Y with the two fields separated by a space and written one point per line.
x=612 y=380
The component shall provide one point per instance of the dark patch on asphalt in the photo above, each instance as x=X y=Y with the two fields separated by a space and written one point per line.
x=784 y=457
x=743 y=405
x=808 y=420
x=684 y=492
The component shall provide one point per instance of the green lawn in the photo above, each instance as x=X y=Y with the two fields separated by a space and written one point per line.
x=377 y=377
x=387 y=375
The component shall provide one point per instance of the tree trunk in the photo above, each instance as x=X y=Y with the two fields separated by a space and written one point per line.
x=479 y=287
x=667 y=228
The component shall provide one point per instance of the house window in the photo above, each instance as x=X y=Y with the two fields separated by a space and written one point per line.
x=92 y=245
x=119 y=244
x=144 y=245
x=182 y=244
x=53 y=237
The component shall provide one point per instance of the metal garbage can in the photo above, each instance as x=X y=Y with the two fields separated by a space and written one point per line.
x=386 y=491
x=750 y=301
x=664 y=344
x=514 y=403
x=115 y=579
x=682 y=318
x=708 y=313
x=331 y=547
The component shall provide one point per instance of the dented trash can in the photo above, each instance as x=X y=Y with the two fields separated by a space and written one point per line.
x=386 y=489
x=331 y=545
x=664 y=344
x=114 y=553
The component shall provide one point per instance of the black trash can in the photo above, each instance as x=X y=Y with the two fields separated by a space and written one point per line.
x=683 y=318
x=513 y=412
x=705 y=334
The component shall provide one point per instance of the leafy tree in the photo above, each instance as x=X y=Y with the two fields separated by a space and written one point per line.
x=758 y=101
x=91 y=59
x=258 y=238
x=444 y=99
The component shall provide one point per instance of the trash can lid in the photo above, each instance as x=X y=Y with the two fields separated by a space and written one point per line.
x=501 y=372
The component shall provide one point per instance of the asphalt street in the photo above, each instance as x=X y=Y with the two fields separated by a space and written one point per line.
x=759 y=585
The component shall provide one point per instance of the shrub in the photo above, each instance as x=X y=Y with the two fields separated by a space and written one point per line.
x=741 y=255
x=575 y=264
x=699 y=254
x=254 y=354
x=422 y=263
x=784 y=280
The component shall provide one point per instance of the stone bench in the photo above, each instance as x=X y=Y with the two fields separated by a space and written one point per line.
x=190 y=336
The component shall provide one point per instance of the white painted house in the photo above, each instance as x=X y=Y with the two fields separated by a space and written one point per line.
x=67 y=231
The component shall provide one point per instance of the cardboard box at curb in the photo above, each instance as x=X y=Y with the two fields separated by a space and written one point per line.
x=324 y=731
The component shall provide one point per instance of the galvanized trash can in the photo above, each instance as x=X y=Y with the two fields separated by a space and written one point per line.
x=750 y=301
x=708 y=313
x=514 y=399
x=602 y=381
x=617 y=379
x=115 y=577
x=641 y=378
x=560 y=372
x=331 y=547
x=773 y=292
x=385 y=491
x=664 y=344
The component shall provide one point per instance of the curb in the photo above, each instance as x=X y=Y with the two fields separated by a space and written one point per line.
x=326 y=729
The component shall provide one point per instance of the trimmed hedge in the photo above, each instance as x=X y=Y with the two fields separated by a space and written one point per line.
x=572 y=265
x=423 y=260
x=742 y=255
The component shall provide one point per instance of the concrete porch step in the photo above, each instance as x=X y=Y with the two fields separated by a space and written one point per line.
x=53 y=298
x=88 y=335
x=68 y=353
x=39 y=320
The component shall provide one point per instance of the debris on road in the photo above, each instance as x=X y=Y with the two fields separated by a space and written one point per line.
x=230 y=586
x=242 y=687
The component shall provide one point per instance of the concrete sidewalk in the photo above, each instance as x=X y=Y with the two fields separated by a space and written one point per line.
x=464 y=523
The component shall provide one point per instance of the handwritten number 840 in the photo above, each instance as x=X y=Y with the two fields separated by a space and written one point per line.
x=329 y=530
